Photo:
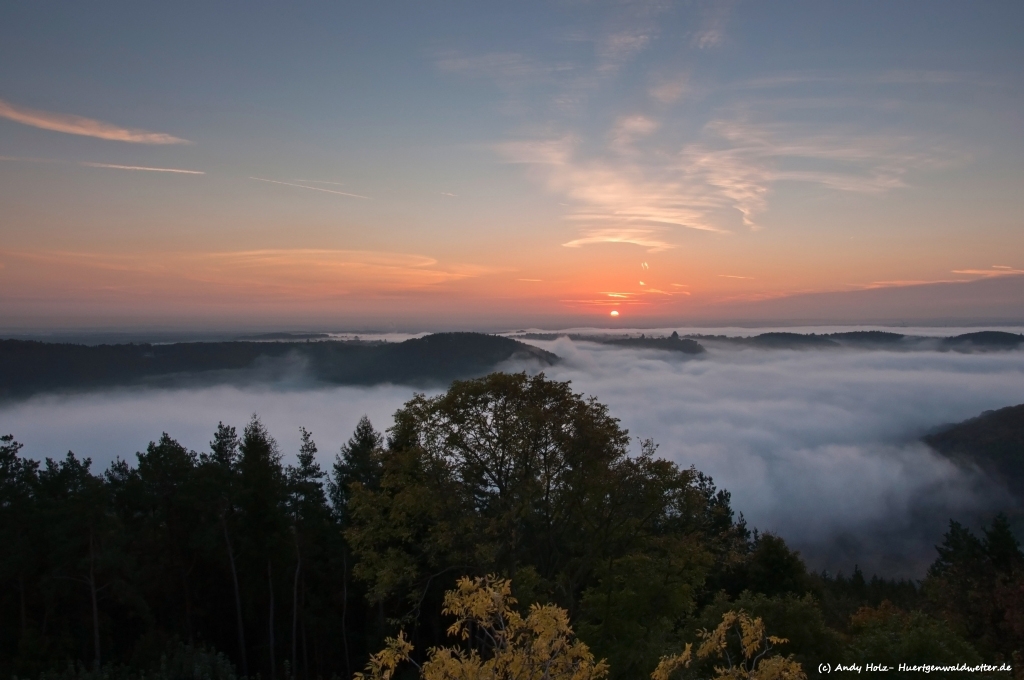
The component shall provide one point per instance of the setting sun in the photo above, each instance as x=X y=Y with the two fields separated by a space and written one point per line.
x=615 y=313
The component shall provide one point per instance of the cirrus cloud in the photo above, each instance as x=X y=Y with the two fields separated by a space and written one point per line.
x=87 y=127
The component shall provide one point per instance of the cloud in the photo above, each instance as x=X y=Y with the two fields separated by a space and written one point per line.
x=612 y=201
x=640 y=237
x=621 y=46
x=119 y=423
x=503 y=67
x=740 y=161
x=712 y=29
x=110 y=166
x=254 y=275
x=729 y=170
x=630 y=128
x=995 y=271
x=77 y=125
x=898 y=77
x=141 y=167
x=301 y=186
x=992 y=299
x=669 y=91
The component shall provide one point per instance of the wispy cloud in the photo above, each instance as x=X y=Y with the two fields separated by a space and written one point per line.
x=994 y=272
x=271 y=273
x=619 y=201
x=712 y=29
x=88 y=127
x=898 y=77
x=628 y=129
x=645 y=238
x=740 y=161
x=619 y=47
x=636 y=191
x=997 y=271
x=303 y=186
x=111 y=166
x=733 y=276
x=669 y=91
x=503 y=67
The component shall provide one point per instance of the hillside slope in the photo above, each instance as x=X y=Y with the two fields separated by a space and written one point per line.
x=994 y=441
x=28 y=367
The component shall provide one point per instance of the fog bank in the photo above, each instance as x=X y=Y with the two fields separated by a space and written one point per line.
x=818 y=446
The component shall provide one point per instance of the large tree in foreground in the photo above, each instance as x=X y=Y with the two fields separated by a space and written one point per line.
x=520 y=476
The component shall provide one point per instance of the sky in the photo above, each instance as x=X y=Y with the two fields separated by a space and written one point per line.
x=492 y=165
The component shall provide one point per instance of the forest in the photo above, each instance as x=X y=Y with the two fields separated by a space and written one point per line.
x=30 y=367
x=230 y=563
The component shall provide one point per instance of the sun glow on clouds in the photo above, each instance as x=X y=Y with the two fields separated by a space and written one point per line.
x=636 y=193
x=253 y=274
x=995 y=271
x=77 y=125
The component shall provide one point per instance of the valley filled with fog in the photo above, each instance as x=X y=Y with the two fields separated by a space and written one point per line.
x=819 y=446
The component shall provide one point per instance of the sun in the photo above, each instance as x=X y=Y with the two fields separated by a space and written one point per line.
x=615 y=312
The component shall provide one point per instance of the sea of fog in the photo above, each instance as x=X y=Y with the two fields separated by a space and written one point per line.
x=820 y=447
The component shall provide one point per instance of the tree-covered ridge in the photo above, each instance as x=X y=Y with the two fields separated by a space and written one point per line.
x=28 y=367
x=993 y=441
x=231 y=561
x=980 y=341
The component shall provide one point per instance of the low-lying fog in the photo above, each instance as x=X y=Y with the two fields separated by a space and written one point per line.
x=818 y=446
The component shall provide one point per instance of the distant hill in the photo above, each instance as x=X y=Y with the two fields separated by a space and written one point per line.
x=994 y=441
x=791 y=341
x=29 y=367
x=672 y=343
x=981 y=341
x=984 y=340
x=869 y=338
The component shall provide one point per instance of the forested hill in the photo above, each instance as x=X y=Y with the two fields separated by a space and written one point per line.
x=979 y=341
x=994 y=441
x=29 y=367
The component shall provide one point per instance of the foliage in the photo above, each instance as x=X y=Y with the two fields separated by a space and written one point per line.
x=977 y=586
x=741 y=641
x=799 y=619
x=499 y=643
x=178 y=662
x=888 y=635
x=767 y=566
x=841 y=596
